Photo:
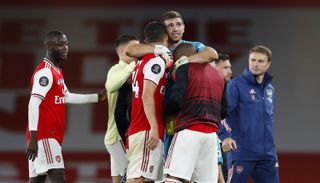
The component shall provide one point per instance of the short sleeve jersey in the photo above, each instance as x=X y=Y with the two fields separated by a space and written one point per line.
x=150 y=68
x=47 y=83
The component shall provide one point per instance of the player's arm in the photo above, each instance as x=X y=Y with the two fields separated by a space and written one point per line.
x=139 y=50
x=207 y=55
x=33 y=116
x=229 y=144
x=149 y=89
x=42 y=82
x=153 y=71
x=178 y=90
x=117 y=77
x=74 y=98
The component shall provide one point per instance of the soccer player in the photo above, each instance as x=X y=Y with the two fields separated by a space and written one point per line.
x=117 y=76
x=195 y=99
x=46 y=112
x=251 y=99
x=224 y=66
x=145 y=133
x=175 y=28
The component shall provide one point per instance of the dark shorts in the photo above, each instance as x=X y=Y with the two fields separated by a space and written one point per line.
x=259 y=171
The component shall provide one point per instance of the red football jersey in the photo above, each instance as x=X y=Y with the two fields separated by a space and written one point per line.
x=150 y=68
x=47 y=83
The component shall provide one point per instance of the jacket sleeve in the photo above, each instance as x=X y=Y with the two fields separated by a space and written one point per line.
x=178 y=90
x=117 y=77
x=224 y=103
x=233 y=98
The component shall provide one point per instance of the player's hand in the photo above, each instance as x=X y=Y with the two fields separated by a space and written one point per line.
x=153 y=139
x=102 y=95
x=229 y=144
x=182 y=60
x=32 y=150
x=164 y=53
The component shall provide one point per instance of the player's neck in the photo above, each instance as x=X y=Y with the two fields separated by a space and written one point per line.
x=54 y=61
x=259 y=78
x=173 y=45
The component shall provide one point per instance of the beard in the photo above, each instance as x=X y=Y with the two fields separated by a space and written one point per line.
x=171 y=41
x=57 y=57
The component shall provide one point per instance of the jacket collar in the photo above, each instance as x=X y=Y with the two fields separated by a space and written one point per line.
x=250 y=77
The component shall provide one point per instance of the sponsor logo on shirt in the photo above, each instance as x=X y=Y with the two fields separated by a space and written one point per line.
x=60 y=81
x=163 y=90
x=59 y=100
x=253 y=94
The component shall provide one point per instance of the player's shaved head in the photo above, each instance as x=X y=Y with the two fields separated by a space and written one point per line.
x=184 y=49
x=52 y=36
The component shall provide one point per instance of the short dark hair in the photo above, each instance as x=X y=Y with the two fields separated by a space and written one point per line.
x=184 y=49
x=154 y=32
x=222 y=57
x=262 y=49
x=124 y=39
x=51 y=35
x=170 y=15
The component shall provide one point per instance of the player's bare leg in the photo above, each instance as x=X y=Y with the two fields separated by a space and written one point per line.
x=38 y=179
x=220 y=175
x=116 y=179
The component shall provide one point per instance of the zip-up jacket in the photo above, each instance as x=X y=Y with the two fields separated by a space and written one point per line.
x=251 y=118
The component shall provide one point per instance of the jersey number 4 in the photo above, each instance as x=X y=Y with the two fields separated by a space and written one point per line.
x=135 y=84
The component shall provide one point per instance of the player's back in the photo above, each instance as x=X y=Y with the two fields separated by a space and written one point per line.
x=201 y=102
x=139 y=120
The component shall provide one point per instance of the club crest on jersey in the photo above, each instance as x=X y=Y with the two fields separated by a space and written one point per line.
x=253 y=94
x=156 y=68
x=269 y=95
x=44 y=81
x=239 y=169
x=58 y=158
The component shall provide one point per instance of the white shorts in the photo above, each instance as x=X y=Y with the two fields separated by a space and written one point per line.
x=142 y=161
x=118 y=158
x=49 y=157
x=193 y=156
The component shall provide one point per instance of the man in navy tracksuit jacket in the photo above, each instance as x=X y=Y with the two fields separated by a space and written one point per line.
x=250 y=142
